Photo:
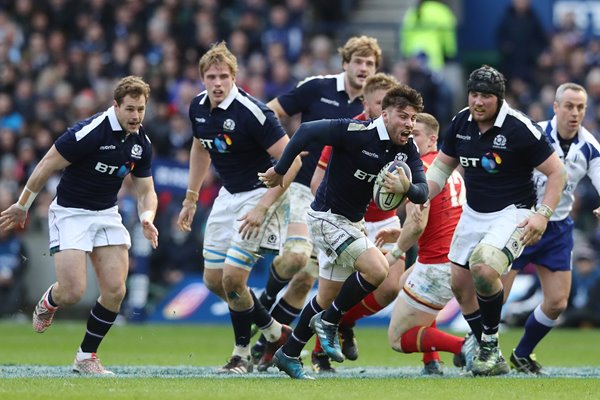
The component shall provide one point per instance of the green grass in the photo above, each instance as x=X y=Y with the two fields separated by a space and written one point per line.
x=202 y=346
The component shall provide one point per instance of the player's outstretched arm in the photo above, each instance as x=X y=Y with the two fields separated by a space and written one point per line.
x=439 y=172
x=308 y=132
x=16 y=214
x=417 y=216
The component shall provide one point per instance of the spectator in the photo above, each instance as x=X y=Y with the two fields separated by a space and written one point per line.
x=584 y=304
x=521 y=39
x=282 y=31
x=9 y=118
x=429 y=27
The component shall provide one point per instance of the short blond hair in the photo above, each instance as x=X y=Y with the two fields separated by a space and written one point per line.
x=379 y=81
x=430 y=122
x=218 y=54
x=362 y=46
x=132 y=86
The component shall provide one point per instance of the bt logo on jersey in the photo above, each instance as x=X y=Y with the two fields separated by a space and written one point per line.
x=468 y=161
x=489 y=162
x=364 y=176
x=110 y=169
x=221 y=143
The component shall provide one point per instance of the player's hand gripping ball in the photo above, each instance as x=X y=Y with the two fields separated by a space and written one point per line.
x=388 y=200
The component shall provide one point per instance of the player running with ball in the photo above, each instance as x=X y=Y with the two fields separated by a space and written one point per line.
x=350 y=266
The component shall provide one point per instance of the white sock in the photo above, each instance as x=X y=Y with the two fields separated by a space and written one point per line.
x=242 y=351
x=272 y=332
x=83 y=356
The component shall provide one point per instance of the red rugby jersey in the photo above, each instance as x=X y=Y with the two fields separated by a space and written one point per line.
x=444 y=213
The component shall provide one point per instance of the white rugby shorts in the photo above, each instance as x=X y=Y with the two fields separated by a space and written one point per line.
x=300 y=199
x=495 y=229
x=427 y=287
x=222 y=225
x=81 y=229
x=339 y=243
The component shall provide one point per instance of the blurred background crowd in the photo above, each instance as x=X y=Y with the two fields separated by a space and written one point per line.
x=60 y=59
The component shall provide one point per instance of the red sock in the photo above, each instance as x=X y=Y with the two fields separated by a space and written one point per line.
x=367 y=306
x=430 y=356
x=421 y=339
x=318 y=348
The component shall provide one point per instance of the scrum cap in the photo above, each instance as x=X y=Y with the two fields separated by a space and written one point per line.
x=487 y=80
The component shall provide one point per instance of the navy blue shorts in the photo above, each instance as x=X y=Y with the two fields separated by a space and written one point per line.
x=553 y=251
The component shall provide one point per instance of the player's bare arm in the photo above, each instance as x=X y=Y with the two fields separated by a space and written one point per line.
x=556 y=173
x=16 y=214
x=199 y=164
x=439 y=172
x=413 y=228
x=147 y=202
x=316 y=179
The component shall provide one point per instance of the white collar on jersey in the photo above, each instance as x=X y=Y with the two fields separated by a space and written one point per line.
x=383 y=133
x=112 y=118
x=227 y=100
x=339 y=82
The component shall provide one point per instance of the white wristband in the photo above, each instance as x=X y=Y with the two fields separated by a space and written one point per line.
x=147 y=216
x=396 y=252
x=544 y=210
x=27 y=197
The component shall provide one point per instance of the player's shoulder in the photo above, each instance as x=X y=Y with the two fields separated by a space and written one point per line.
x=93 y=127
x=318 y=80
x=353 y=124
x=590 y=146
x=461 y=117
x=199 y=99
x=143 y=137
x=252 y=106
x=587 y=137
x=512 y=119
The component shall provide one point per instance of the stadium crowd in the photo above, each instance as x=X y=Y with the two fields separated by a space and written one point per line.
x=60 y=59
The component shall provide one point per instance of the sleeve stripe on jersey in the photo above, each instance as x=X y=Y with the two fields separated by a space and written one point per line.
x=593 y=144
x=535 y=130
x=254 y=109
x=80 y=134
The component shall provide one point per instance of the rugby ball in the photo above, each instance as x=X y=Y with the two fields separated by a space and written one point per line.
x=383 y=199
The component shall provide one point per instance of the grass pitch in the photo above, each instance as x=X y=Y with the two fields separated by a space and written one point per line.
x=178 y=362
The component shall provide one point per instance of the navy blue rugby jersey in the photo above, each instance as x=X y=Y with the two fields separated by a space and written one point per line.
x=499 y=163
x=101 y=155
x=318 y=97
x=360 y=150
x=237 y=134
